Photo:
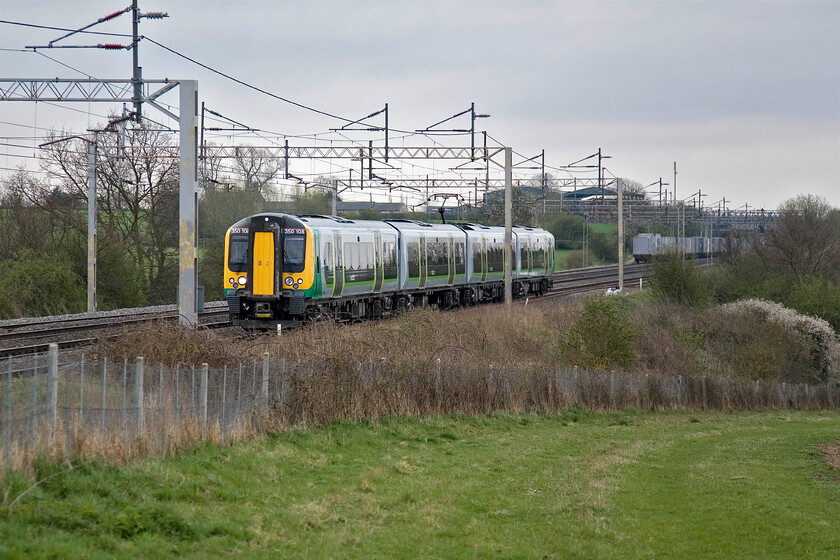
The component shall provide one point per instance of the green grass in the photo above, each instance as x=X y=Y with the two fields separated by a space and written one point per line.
x=559 y=256
x=603 y=228
x=567 y=485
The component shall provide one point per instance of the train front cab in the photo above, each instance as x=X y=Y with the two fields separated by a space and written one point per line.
x=279 y=270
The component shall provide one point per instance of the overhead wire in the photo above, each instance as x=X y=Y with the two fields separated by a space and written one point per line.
x=23 y=24
x=429 y=135
x=246 y=84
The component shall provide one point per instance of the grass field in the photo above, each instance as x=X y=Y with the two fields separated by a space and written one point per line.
x=568 y=485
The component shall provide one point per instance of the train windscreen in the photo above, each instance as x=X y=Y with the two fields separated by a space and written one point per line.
x=294 y=252
x=238 y=251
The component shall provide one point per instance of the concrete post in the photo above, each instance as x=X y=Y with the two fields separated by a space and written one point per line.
x=620 y=234
x=187 y=204
x=508 y=226
x=91 y=252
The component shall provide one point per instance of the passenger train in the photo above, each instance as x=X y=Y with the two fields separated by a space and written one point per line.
x=283 y=268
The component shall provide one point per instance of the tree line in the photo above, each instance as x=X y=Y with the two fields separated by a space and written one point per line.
x=43 y=216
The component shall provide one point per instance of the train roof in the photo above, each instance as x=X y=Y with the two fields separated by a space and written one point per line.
x=320 y=220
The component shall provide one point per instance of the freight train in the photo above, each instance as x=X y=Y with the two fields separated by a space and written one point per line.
x=284 y=269
x=648 y=245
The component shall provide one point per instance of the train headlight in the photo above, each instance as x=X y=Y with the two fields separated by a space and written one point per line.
x=300 y=281
x=242 y=280
x=231 y=280
x=289 y=281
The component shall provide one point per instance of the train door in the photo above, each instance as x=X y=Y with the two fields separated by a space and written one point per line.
x=530 y=256
x=262 y=283
x=378 y=270
x=338 y=255
x=483 y=259
x=328 y=266
x=424 y=262
x=450 y=255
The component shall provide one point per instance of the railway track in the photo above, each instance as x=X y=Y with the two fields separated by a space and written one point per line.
x=28 y=336
x=33 y=335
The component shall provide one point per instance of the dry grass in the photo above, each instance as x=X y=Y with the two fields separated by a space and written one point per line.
x=473 y=361
x=478 y=336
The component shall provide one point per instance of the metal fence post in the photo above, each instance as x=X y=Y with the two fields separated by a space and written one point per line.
x=159 y=414
x=192 y=390
x=264 y=390
x=160 y=390
x=224 y=403
x=177 y=394
x=124 y=425
x=52 y=388
x=202 y=396
x=437 y=380
x=239 y=393
x=104 y=391
x=282 y=384
x=679 y=390
x=82 y=392
x=35 y=401
x=138 y=393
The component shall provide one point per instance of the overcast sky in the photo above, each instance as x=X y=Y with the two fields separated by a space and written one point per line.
x=744 y=96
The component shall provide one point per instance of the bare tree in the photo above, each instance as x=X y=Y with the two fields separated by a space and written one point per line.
x=631 y=186
x=805 y=239
x=524 y=207
x=137 y=199
x=257 y=168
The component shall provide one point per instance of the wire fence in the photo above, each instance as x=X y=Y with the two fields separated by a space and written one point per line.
x=121 y=410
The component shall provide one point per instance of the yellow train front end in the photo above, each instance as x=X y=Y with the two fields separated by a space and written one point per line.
x=270 y=270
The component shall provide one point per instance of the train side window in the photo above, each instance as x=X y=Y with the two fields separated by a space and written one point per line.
x=413 y=249
x=459 y=257
x=476 y=247
x=328 y=262
x=539 y=254
x=389 y=260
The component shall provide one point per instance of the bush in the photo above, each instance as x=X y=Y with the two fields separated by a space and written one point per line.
x=817 y=297
x=765 y=340
x=602 y=337
x=669 y=341
x=39 y=283
x=676 y=279
x=604 y=247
